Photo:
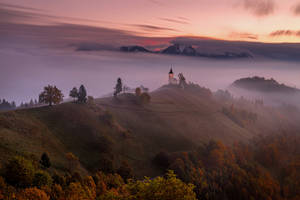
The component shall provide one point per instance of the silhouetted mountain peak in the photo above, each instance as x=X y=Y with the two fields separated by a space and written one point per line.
x=134 y=49
x=174 y=49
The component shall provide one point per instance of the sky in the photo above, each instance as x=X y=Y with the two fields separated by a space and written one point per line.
x=247 y=20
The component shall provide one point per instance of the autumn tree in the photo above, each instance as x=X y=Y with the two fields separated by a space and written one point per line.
x=51 y=95
x=45 y=160
x=118 y=87
x=32 y=194
x=19 y=172
x=161 y=188
x=42 y=178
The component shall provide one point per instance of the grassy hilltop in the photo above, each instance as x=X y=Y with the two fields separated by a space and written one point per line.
x=111 y=130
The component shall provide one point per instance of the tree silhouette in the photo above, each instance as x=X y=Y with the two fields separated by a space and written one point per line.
x=51 y=95
x=45 y=160
x=118 y=87
x=82 y=94
x=74 y=93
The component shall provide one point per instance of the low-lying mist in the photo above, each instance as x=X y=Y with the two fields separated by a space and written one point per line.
x=268 y=98
x=25 y=70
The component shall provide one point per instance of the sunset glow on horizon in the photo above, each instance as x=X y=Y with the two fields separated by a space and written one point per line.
x=269 y=21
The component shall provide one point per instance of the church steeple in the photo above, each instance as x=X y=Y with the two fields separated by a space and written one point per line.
x=172 y=80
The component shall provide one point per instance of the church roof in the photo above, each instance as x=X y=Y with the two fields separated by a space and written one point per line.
x=171 y=71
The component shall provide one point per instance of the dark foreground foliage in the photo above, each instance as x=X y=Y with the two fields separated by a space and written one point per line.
x=267 y=168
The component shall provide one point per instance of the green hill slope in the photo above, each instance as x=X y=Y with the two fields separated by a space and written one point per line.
x=111 y=130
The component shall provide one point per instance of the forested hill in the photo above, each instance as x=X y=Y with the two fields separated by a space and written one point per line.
x=261 y=84
x=106 y=131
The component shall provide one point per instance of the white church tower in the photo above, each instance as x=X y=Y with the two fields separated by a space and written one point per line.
x=172 y=80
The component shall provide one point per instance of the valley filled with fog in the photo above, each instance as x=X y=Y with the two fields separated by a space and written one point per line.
x=26 y=70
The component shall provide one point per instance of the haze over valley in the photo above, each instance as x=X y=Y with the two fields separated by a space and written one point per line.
x=149 y=100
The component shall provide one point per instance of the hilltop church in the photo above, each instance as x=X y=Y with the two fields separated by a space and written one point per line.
x=172 y=80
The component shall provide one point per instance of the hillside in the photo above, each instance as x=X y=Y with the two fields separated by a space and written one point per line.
x=261 y=84
x=269 y=90
x=111 y=130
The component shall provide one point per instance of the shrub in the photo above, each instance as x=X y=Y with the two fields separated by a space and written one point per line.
x=41 y=178
x=58 y=179
x=32 y=194
x=161 y=188
x=19 y=172
x=45 y=160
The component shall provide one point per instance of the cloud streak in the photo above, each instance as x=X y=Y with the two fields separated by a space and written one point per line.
x=259 y=8
x=243 y=35
x=280 y=33
x=174 y=20
x=147 y=27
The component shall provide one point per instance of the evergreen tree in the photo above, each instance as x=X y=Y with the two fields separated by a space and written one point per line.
x=82 y=94
x=45 y=160
x=74 y=93
x=13 y=104
x=118 y=87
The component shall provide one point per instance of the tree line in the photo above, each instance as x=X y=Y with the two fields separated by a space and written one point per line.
x=5 y=105
x=25 y=179
x=51 y=95
x=268 y=167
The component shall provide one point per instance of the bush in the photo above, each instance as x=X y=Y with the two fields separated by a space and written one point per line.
x=19 y=172
x=41 y=178
x=161 y=188
x=45 y=160
x=33 y=194
x=58 y=179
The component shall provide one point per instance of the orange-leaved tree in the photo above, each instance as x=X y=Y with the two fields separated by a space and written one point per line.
x=51 y=95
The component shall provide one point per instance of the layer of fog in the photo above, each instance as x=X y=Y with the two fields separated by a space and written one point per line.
x=25 y=70
x=268 y=98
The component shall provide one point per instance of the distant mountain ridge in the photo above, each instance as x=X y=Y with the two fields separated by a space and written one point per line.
x=187 y=50
x=134 y=49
